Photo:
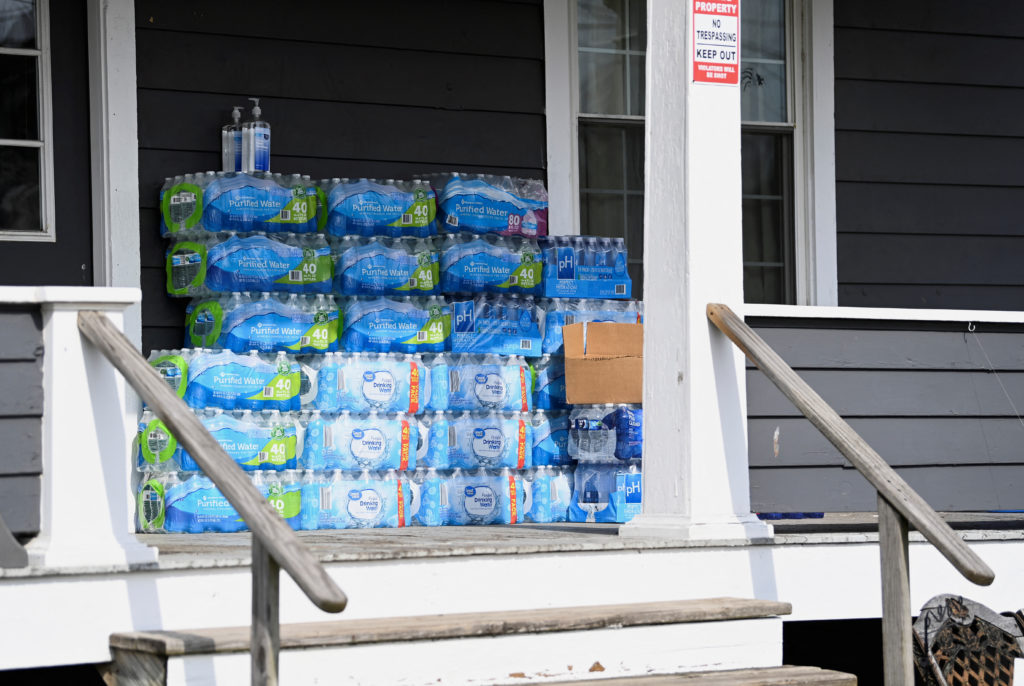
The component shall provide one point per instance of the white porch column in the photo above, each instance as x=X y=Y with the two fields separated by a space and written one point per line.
x=695 y=477
x=88 y=427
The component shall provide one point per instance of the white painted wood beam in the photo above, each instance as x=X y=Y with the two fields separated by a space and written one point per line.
x=695 y=442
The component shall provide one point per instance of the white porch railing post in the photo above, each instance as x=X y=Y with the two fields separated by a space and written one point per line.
x=695 y=451
x=87 y=503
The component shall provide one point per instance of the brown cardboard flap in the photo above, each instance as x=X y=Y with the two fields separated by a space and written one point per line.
x=611 y=368
x=606 y=339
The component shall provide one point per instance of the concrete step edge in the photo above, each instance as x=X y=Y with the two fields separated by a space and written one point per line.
x=450 y=626
x=787 y=675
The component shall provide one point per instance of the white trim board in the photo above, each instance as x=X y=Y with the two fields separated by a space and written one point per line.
x=561 y=96
x=883 y=313
x=115 y=150
x=24 y=295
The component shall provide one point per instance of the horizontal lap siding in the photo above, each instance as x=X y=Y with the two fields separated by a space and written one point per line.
x=21 y=368
x=377 y=89
x=938 y=403
x=928 y=142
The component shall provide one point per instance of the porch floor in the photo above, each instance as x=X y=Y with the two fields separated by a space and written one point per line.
x=191 y=551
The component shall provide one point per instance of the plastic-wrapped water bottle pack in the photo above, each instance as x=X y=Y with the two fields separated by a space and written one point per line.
x=503 y=325
x=188 y=502
x=490 y=263
x=585 y=267
x=482 y=203
x=561 y=312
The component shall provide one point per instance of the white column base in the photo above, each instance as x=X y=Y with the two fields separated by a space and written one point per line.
x=738 y=529
x=89 y=420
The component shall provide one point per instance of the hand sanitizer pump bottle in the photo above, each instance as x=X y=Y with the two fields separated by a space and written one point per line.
x=231 y=142
x=256 y=142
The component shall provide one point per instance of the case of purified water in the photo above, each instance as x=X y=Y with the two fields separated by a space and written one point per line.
x=394 y=324
x=483 y=496
x=253 y=381
x=267 y=322
x=361 y=382
x=386 y=266
x=550 y=493
x=482 y=203
x=490 y=264
x=267 y=440
x=480 y=382
x=380 y=207
x=484 y=439
x=372 y=440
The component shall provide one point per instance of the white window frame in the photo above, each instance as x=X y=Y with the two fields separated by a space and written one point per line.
x=48 y=234
x=812 y=96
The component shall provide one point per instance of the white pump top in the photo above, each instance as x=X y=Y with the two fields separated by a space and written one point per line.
x=256 y=111
x=236 y=114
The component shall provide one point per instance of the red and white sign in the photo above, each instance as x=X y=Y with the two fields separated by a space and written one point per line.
x=716 y=41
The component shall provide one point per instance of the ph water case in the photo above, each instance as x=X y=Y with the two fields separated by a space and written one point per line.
x=382 y=266
x=502 y=325
x=361 y=441
x=245 y=382
x=606 y=493
x=585 y=267
x=400 y=325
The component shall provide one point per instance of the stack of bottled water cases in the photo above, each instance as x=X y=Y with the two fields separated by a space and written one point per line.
x=334 y=349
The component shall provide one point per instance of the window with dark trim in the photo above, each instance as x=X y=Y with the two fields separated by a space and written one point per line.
x=26 y=169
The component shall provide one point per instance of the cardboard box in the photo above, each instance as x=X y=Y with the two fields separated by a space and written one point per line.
x=604 y=363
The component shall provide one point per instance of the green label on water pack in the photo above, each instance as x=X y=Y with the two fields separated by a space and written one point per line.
x=425 y=277
x=182 y=206
x=174 y=371
x=204 y=324
x=299 y=210
x=157 y=443
x=150 y=505
x=321 y=209
x=320 y=336
x=186 y=267
x=288 y=505
x=277 y=451
x=281 y=387
x=526 y=275
x=437 y=329
x=313 y=269
x=420 y=213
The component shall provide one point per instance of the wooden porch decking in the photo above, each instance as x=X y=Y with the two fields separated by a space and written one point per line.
x=226 y=550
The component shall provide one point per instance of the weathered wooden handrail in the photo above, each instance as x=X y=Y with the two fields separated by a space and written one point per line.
x=898 y=503
x=274 y=542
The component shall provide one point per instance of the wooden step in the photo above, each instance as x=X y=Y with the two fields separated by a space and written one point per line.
x=489 y=647
x=767 y=676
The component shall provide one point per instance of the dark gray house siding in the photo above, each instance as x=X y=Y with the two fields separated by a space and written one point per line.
x=933 y=399
x=21 y=368
x=929 y=143
x=348 y=89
